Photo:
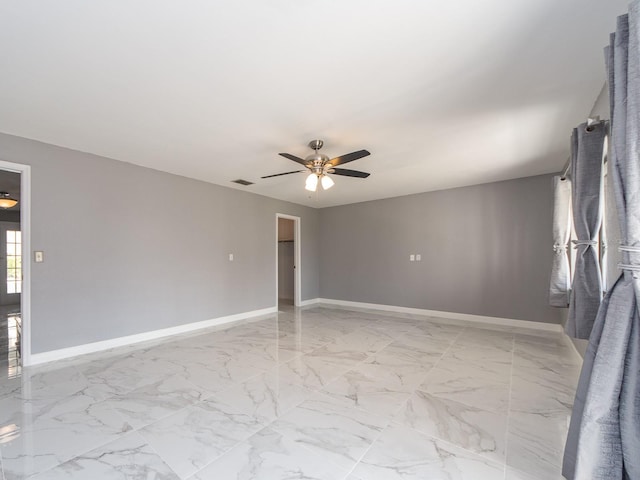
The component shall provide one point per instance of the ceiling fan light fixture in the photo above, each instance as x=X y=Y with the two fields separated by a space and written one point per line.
x=312 y=182
x=327 y=182
x=319 y=165
x=6 y=201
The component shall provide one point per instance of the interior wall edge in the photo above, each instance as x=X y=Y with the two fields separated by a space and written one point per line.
x=511 y=322
x=227 y=321
x=95 y=347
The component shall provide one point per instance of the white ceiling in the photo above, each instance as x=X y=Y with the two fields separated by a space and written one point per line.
x=441 y=93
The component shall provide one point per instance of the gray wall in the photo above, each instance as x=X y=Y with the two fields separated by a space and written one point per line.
x=486 y=250
x=129 y=249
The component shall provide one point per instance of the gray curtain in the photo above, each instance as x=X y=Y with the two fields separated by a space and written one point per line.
x=604 y=435
x=587 y=196
x=560 y=283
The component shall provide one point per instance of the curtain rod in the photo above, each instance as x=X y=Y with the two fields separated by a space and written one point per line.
x=591 y=121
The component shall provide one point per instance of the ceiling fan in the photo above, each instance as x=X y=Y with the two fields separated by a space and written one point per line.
x=320 y=165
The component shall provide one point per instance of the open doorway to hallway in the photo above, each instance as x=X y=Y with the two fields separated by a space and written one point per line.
x=11 y=277
x=288 y=261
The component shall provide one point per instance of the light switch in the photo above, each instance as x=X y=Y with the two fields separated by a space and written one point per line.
x=412 y=258
x=38 y=257
x=418 y=257
x=231 y=257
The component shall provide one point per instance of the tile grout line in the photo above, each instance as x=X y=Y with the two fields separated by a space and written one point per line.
x=368 y=449
x=136 y=429
x=357 y=364
x=448 y=348
x=362 y=362
x=118 y=436
x=473 y=454
x=271 y=422
x=390 y=422
x=320 y=390
x=151 y=447
x=244 y=441
x=380 y=350
x=314 y=453
x=506 y=433
x=455 y=446
x=208 y=394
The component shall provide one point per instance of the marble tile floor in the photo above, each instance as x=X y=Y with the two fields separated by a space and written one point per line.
x=10 y=319
x=316 y=393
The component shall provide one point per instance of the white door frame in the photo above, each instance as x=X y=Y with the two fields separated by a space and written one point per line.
x=25 y=226
x=297 y=283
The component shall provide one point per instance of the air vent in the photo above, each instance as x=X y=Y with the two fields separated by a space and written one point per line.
x=242 y=182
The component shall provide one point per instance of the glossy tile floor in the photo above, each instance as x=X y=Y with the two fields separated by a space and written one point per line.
x=10 y=321
x=321 y=393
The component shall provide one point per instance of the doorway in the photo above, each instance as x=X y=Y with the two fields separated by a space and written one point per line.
x=10 y=274
x=287 y=261
x=15 y=345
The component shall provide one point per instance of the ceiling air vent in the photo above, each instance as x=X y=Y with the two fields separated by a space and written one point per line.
x=242 y=182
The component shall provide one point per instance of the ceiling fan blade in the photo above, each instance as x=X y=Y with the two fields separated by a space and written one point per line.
x=285 y=173
x=294 y=158
x=349 y=157
x=349 y=173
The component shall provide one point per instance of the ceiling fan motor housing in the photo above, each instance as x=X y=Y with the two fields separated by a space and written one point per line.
x=316 y=162
x=316 y=144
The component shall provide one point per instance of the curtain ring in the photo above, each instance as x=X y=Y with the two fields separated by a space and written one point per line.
x=591 y=122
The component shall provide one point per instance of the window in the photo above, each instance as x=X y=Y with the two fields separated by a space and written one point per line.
x=609 y=219
x=14 y=261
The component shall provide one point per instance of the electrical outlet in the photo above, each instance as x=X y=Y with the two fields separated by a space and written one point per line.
x=418 y=257
x=231 y=257
x=412 y=258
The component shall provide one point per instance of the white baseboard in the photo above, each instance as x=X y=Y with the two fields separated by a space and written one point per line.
x=449 y=315
x=311 y=301
x=571 y=343
x=69 y=352
x=63 y=353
